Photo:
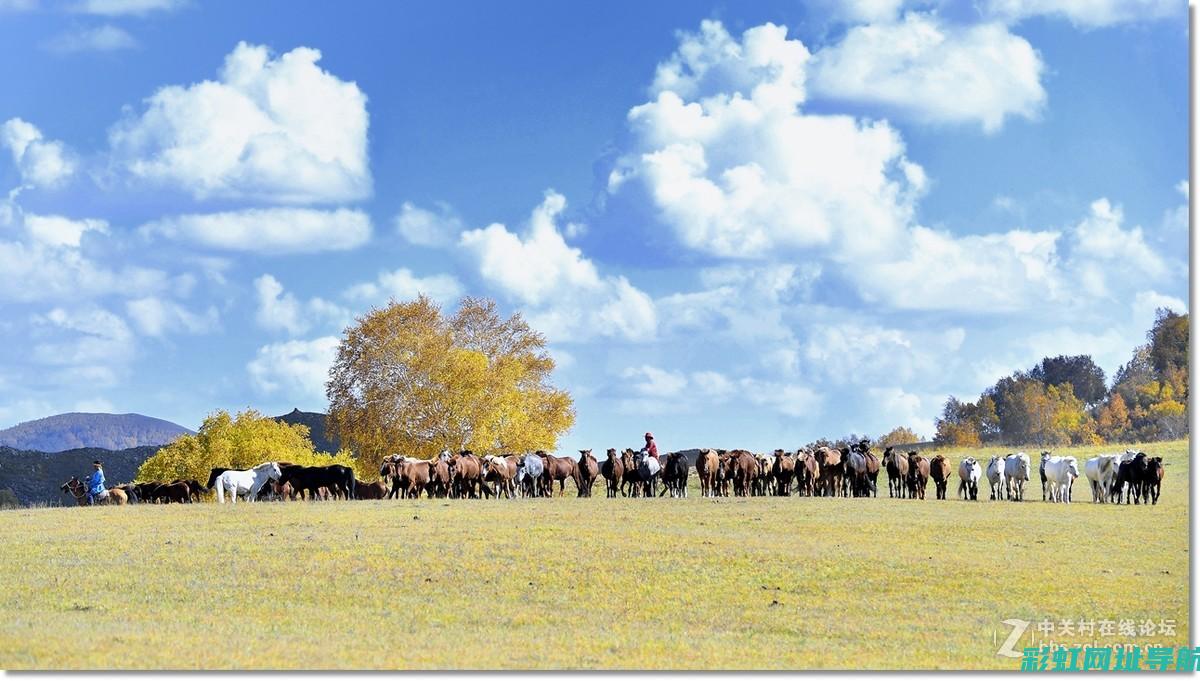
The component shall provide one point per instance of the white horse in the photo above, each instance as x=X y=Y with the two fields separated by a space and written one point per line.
x=1061 y=472
x=1101 y=472
x=969 y=473
x=237 y=483
x=1016 y=473
x=529 y=471
x=995 y=475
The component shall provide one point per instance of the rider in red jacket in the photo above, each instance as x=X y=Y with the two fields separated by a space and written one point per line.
x=651 y=447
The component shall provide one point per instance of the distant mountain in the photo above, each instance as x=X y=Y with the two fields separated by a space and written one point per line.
x=77 y=430
x=35 y=477
x=315 y=421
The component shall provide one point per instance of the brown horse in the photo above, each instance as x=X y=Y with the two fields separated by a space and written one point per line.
x=783 y=471
x=466 y=473
x=629 y=475
x=613 y=470
x=370 y=490
x=115 y=497
x=172 y=493
x=832 y=470
x=707 y=463
x=558 y=469
x=808 y=474
x=939 y=470
x=501 y=471
x=744 y=471
x=897 y=471
x=918 y=475
x=589 y=470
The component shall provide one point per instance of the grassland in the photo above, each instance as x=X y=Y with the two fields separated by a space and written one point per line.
x=776 y=583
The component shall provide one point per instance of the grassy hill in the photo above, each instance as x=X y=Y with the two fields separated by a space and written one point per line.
x=77 y=430
x=759 y=583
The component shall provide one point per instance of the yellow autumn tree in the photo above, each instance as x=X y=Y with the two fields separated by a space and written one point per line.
x=410 y=380
x=238 y=441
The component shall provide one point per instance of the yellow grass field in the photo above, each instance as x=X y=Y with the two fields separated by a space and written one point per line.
x=763 y=583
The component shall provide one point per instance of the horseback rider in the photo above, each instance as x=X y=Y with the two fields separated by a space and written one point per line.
x=651 y=448
x=96 y=490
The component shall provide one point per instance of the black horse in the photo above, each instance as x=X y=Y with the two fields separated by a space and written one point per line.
x=675 y=475
x=339 y=480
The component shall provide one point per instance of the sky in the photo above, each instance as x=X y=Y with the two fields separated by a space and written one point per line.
x=737 y=224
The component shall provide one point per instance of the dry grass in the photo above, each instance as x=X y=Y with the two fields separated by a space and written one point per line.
x=569 y=583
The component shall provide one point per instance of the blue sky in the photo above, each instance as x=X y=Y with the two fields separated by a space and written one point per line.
x=748 y=224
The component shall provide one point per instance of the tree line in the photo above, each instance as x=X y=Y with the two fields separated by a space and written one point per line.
x=1066 y=399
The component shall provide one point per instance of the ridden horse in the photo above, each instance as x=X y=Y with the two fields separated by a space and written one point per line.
x=248 y=482
x=969 y=472
x=918 y=475
x=613 y=470
x=649 y=470
x=675 y=475
x=897 y=471
x=115 y=496
x=707 y=465
x=783 y=471
x=588 y=472
x=939 y=470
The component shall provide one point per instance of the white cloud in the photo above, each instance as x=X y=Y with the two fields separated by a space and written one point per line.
x=401 y=284
x=281 y=311
x=993 y=273
x=559 y=289
x=42 y=162
x=37 y=272
x=424 y=227
x=123 y=7
x=105 y=38
x=88 y=344
x=734 y=168
x=934 y=71
x=892 y=406
x=297 y=368
x=157 y=317
x=269 y=231
x=1104 y=254
x=277 y=129
x=1086 y=13
x=56 y=230
x=651 y=381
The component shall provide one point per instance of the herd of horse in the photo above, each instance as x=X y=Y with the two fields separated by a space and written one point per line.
x=850 y=471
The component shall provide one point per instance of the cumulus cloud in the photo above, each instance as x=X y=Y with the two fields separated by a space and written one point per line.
x=932 y=71
x=35 y=272
x=735 y=168
x=561 y=291
x=423 y=227
x=87 y=343
x=155 y=316
x=280 y=129
x=1105 y=254
x=56 y=230
x=296 y=368
x=401 y=284
x=1085 y=14
x=41 y=162
x=269 y=231
x=279 y=310
x=106 y=38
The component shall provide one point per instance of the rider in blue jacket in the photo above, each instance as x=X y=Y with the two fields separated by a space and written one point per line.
x=95 y=484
